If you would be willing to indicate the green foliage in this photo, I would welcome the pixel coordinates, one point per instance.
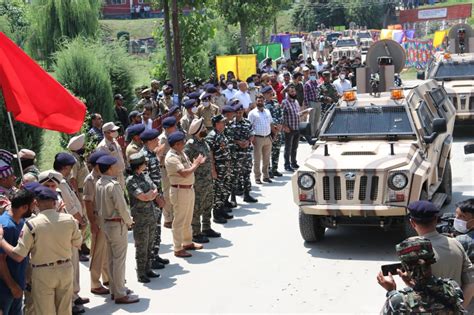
(80, 67)
(365, 13)
(308, 14)
(17, 24)
(55, 20)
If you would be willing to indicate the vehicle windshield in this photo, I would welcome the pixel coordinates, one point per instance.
(364, 35)
(346, 43)
(333, 36)
(449, 70)
(372, 121)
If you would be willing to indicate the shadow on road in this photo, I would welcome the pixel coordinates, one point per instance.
(356, 243)
(110, 308)
(217, 242)
(204, 257)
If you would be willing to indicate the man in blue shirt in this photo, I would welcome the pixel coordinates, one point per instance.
(12, 274)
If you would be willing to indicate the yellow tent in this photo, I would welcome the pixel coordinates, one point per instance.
(243, 66)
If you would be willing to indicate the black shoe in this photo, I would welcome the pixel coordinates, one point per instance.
(201, 239)
(249, 199)
(270, 174)
(258, 181)
(164, 261)
(156, 264)
(143, 279)
(295, 166)
(85, 250)
(278, 174)
(226, 216)
(78, 309)
(211, 233)
(289, 169)
(152, 274)
(239, 192)
(233, 200)
(267, 180)
(228, 204)
(219, 220)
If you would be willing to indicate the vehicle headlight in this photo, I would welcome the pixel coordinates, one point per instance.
(306, 181)
(397, 181)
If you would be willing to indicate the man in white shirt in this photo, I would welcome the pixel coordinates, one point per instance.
(320, 65)
(243, 95)
(261, 121)
(342, 84)
(230, 91)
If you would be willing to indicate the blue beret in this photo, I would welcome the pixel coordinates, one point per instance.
(266, 89)
(423, 210)
(65, 159)
(135, 130)
(238, 106)
(217, 119)
(149, 134)
(189, 103)
(106, 160)
(228, 109)
(95, 156)
(211, 89)
(31, 186)
(175, 137)
(207, 86)
(133, 114)
(206, 95)
(44, 193)
(169, 122)
(194, 95)
(173, 109)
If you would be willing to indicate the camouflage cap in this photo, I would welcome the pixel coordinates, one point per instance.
(416, 250)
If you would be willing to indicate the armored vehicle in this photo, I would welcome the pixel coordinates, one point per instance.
(374, 155)
(364, 40)
(345, 46)
(454, 69)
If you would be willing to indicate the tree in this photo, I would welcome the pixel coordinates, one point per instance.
(249, 14)
(55, 20)
(366, 13)
(17, 23)
(308, 14)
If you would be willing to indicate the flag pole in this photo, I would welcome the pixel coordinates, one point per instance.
(16, 144)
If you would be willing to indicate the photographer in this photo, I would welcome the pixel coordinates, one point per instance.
(427, 293)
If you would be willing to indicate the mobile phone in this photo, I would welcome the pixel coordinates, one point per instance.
(392, 268)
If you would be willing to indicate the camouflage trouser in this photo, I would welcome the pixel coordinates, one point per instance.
(244, 169)
(157, 243)
(234, 171)
(276, 145)
(222, 184)
(204, 198)
(144, 233)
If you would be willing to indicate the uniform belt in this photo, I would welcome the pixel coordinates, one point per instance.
(113, 220)
(262, 136)
(182, 186)
(56, 263)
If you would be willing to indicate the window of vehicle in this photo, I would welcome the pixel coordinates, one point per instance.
(333, 36)
(295, 51)
(426, 118)
(369, 121)
(364, 35)
(458, 70)
(346, 43)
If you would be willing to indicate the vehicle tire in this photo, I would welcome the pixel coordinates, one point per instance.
(447, 183)
(408, 230)
(311, 228)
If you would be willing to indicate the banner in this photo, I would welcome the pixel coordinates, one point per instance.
(273, 50)
(397, 35)
(283, 39)
(386, 34)
(243, 66)
(418, 53)
(439, 38)
(260, 51)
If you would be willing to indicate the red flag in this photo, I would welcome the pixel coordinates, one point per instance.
(33, 96)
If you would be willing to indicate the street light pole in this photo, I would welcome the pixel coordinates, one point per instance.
(177, 49)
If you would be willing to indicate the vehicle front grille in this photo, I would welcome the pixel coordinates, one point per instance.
(364, 189)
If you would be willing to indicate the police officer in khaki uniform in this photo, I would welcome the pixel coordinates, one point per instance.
(111, 146)
(50, 238)
(99, 265)
(27, 159)
(113, 211)
(181, 175)
(207, 110)
(189, 116)
(169, 126)
(135, 145)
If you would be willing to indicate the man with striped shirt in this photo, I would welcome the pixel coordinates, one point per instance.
(291, 122)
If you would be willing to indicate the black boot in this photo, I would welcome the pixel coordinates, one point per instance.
(270, 174)
(224, 214)
(218, 217)
(233, 201)
(228, 204)
(248, 198)
(239, 192)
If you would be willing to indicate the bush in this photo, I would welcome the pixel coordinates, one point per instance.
(80, 67)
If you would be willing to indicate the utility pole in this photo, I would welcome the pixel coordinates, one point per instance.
(169, 51)
(177, 49)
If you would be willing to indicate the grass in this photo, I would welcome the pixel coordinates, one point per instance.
(141, 69)
(139, 28)
(408, 74)
(50, 147)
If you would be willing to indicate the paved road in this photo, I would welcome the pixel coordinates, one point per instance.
(261, 265)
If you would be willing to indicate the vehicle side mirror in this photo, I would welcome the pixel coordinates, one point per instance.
(469, 148)
(439, 125)
(420, 75)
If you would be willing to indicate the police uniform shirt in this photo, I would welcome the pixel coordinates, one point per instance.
(207, 112)
(89, 186)
(79, 171)
(73, 205)
(185, 122)
(110, 200)
(176, 162)
(51, 238)
(132, 148)
(163, 138)
(451, 259)
(114, 149)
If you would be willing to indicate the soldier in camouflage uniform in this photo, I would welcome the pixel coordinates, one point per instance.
(204, 191)
(327, 93)
(142, 193)
(229, 113)
(277, 138)
(151, 150)
(243, 135)
(428, 294)
(219, 146)
(30, 171)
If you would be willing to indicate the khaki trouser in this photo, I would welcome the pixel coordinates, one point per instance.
(76, 280)
(28, 308)
(261, 152)
(116, 234)
(51, 289)
(121, 180)
(183, 206)
(99, 259)
(168, 208)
